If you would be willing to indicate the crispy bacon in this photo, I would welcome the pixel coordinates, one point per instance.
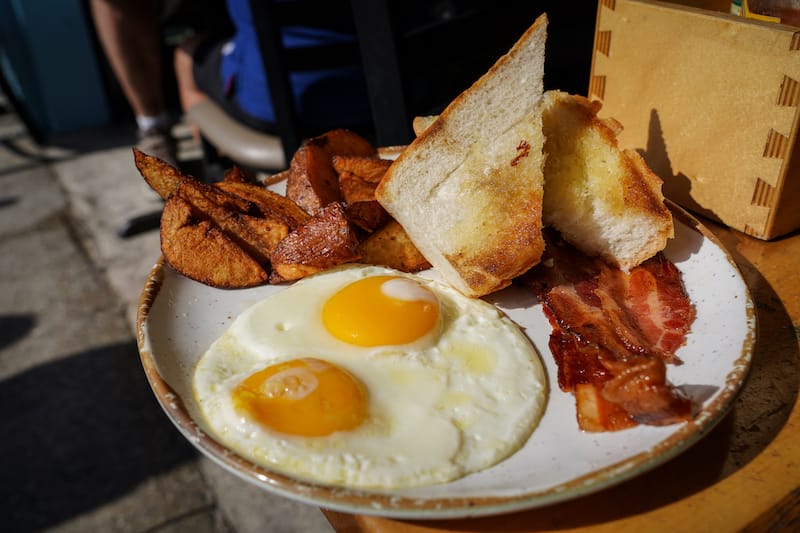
(641, 388)
(613, 334)
(657, 298)
(578, 362)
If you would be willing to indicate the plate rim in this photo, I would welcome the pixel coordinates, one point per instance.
(392, 505)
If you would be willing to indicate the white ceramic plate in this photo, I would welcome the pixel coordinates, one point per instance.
(179, 319)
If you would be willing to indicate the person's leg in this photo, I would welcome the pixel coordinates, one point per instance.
(188, 91)
(197, 63)
(130, 34)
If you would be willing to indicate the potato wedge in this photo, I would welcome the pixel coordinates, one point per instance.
(269, 203)
(370, 169)
(159, 175)
(313, 183)
(326, 240)
(268, 232)
(237, 175)
(366, 215)
(355, 188)
(390, 246)
(166, 180)
(219, 207)
(359, 196)
(199, 250)
(345, 142)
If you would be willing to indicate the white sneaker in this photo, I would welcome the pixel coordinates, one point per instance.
(158, 143)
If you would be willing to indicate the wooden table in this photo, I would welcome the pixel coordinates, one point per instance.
(743, 476)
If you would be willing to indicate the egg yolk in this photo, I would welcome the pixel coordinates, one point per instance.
(380, 311)
(305, 397)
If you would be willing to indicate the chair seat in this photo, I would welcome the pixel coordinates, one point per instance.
(236, 141)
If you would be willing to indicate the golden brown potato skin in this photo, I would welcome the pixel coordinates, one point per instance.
(354, 188)
(269, 203)
(324, 241)
(313, 183)
(369, 168)
(390, 246)
(358, 178)
(159, 175)
(362, 209)
(237, 175)
(166, 180)
(198, 249)
(237, 233)
(217, 207)
(207, 234)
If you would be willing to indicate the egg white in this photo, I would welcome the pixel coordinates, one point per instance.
(438, 409)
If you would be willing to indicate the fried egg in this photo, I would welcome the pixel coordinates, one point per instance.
(362, 376)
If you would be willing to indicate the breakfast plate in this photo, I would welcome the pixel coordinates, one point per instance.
(179, 319)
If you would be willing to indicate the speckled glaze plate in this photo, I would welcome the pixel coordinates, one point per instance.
(178, 319)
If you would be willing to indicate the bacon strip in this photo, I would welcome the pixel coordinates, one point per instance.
(613, 334)
(657, 298)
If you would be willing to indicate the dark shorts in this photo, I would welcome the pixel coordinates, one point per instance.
(206, 69)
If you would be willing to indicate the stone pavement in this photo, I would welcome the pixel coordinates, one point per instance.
(85, 446)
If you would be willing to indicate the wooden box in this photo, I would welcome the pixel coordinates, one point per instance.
(711, 101)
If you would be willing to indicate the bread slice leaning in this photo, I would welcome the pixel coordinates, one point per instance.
(602, 199)
(468, 190)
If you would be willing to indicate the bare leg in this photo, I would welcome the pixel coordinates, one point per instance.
(187, 88)
(130, 33)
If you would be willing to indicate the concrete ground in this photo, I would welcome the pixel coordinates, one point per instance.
(85, 446)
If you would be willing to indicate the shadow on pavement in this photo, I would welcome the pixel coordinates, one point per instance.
(14, 328)
(80, 432)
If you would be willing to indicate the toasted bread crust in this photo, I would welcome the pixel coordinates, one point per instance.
(643, 190)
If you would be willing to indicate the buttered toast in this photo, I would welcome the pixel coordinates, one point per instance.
(602, 199)
(468, 190)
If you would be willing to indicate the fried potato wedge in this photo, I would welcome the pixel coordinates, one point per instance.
(238, 233)
(219, 207)
(166, 180)
(159, 175)
(355, 188)
(269, 203)
(345, 142)
(367, 215)
(359, 197)
(268, 232)
(326, 240)
(199, 250)
(370, 169)
(313, 183)
(237, 175)
(391, 247)
(192, 188)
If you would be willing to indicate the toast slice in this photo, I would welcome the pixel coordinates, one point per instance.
(604, 200)
(468, 190)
